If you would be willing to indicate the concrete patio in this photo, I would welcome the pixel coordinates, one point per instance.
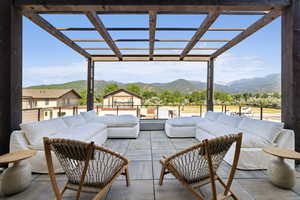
(144, 170)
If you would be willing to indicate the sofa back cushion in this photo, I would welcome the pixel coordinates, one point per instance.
(74, 121)
(34, 132)
(212, 115)
(265, 129)
(89, 116)
(232, 121)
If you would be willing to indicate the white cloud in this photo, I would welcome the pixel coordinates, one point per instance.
(228, 67)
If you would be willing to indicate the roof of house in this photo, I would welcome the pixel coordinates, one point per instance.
(47, 93)
(122, 90)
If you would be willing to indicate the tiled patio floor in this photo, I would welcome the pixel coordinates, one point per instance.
(144, 169)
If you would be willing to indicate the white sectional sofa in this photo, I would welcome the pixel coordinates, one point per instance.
(84, 127)
(182, 127)
(257, 134)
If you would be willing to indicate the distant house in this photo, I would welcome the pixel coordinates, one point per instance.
(46, 98)
(121, 98)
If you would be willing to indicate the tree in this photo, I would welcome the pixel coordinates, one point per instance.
(110, 88)
(167, 97)
(135, 88)
(148, 94)
(83, 95)
(197, 97)
(178, 97)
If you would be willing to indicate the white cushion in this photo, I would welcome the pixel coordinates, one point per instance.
(253, 141)
(35, 131)
(81, 133)
(184, 121)
(265, 129)
(74, 121)
(89, 116)
(117, 121)
(232, 121)
(212, 115)
(217, 129)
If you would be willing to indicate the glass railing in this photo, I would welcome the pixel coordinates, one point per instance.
(153, 111)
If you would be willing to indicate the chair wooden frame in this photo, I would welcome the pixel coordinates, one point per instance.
(168, 168)
(80, 187)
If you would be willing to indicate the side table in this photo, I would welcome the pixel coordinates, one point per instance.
(280, 173)
(18, 177)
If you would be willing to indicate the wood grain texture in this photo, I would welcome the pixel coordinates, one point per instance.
(152, 29)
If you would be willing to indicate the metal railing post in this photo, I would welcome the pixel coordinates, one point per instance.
(59, 112)
(261, 113)
(97, 108)
(117, 110)
(137, 111)
(157, 108)
(179, 111)
(225, 107)
(74, 110)
(240, 110)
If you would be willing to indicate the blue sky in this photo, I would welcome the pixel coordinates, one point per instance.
(47, 60)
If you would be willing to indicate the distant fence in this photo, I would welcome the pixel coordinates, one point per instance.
(153, 111)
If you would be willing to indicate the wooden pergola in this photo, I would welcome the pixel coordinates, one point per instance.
(11, 12)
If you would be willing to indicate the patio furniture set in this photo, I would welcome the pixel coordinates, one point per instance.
(73, 145)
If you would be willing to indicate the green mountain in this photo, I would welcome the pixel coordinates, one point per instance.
(270, 83)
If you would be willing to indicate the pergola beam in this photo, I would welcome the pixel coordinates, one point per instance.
(159, 48)
(158, 5)
(152, 27)
(147, 40)
(41, 22)
(99, 26)
(148, 29)
(208, 21)
(250, 30)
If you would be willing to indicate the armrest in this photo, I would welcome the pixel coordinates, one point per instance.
(17, 141)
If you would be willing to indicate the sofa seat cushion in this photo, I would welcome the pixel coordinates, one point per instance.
(184, 121)
(216, 128)
(74, 121)
(34, 132)
(253, 141)
(265, 129)
(117, 121)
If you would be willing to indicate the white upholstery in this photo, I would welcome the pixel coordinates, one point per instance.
(85, 127)
(74, 121)
(257, 134)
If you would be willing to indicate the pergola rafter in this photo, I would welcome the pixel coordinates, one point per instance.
(152, 28)
(99, 26)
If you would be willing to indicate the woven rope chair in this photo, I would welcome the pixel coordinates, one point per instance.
(89, 168)
(196, 166)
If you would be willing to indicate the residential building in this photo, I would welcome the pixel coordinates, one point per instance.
(121, 98)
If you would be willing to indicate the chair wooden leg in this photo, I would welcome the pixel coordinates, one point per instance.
(127, 177)
(224, 185)
(162, 174)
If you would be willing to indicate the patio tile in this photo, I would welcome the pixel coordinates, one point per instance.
(45, 177)
(171, 189)
(139, 170)
(157, 169)
(141, 190)
(297, 187)
(139, 155)
(262, 189)
(158, 154)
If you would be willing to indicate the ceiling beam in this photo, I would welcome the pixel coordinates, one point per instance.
(147, 29)
(158, 5)
(208, 21)
(147, 40)
(152, 27)
(99, 26)
(41, 22)
(250, 30)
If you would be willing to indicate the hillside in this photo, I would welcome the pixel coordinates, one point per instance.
(270, 83)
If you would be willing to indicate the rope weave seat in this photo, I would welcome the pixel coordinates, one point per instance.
(86, 166)
(197, 165)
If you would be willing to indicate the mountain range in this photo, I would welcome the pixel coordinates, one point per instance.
(267, 84)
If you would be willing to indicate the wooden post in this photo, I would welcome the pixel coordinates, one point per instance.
(90, 85)
(290, 72)
(261, 113)
(210, 85)
(10, 71)
(240, 110)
